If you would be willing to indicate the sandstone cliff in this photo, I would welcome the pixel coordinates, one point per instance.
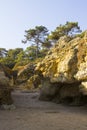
(64, 71)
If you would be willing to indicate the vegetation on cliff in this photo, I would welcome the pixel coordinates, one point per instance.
(56, 62)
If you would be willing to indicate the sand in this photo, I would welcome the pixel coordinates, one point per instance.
(32, 114)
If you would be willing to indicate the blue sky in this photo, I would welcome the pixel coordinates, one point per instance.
(16, 16)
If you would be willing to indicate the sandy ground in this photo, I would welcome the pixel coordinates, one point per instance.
(31, 114)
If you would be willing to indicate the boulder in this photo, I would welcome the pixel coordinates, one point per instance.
(27, 78)
(66, 66)
(33, 82)
(25, 72)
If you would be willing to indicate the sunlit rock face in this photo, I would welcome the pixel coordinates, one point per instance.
(25, 72)
(66, 64)
(5, 88)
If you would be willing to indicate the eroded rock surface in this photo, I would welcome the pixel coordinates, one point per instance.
(66, 66)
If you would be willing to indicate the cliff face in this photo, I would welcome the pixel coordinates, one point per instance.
(66, 66)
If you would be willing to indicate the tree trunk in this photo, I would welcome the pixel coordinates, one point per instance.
(37, 50)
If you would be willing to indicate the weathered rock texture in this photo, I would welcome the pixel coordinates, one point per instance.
(66, 68)
(25, 72)
(27, 78)
(5, 88)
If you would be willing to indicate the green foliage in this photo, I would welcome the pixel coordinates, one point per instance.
(40, 41)
(8, 62)
(47, 44)
(81, 35)
(31, 52)
(37, 37)
(3, 52)
(10, 57)
(69, 29)
(12, 53)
